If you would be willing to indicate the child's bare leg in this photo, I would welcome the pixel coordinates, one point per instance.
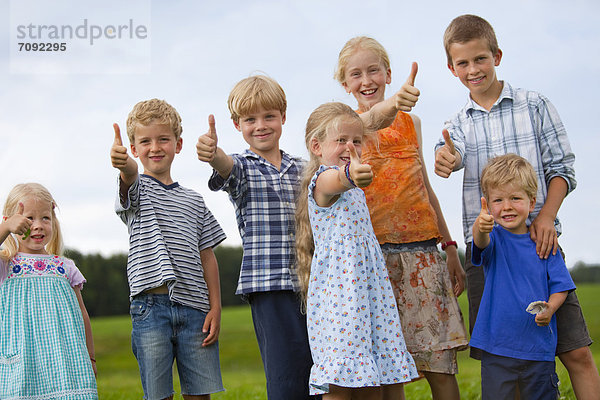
(367, 393)
(583, 373)
(443, 386)
(338, 393)
(393, 392)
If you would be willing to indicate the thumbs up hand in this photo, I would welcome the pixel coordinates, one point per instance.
(484, 221)
(445, 157)
(17, 223)
(118, 152)
(361, 174)
(408, 95)
(206, 148)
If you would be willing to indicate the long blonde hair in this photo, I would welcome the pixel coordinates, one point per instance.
(322, 120)
(17, 195)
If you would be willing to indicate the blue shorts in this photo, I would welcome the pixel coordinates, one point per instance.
(164, 331)
(537, 380)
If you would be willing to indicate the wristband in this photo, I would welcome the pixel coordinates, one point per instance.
(92, 359)
(449, 243)
(347, 171)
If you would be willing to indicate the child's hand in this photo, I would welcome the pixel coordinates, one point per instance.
(484, 221)
(17, 223)
(445, 157)
(543, 318)
(544, 235)
(206, 148)
(212, 325)
(408, 95)
(118, 153)
(361, 174)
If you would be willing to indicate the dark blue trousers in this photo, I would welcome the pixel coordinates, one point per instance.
(283, 342)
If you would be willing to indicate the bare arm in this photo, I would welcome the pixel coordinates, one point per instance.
(382, 114)
(483, 226)
(89, 340)
(209, 152)
(457, 274)
(121, 161)
(212, 322)
(542, 228)
(554, 302)
(16, 224)
(332, 182)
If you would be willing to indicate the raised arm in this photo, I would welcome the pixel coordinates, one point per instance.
(121, 161)
(16, 224)
(446, 157)
(382, 114)
(209, 152)
(333, 182)
(483, 226)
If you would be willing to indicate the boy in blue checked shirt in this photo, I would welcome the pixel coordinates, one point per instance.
(500, 119)
(262, 184)
(171, 267)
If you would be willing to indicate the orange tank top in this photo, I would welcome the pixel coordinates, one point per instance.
(397, 198)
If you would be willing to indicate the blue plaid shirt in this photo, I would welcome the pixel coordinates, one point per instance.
(265, 204)
(521, 122)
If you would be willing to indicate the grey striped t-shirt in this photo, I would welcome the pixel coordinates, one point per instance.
(168, 227)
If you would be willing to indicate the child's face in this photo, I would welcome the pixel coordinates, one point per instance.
(262, 130)
(510, 206)
(156, 146)
(333, 150)
(474, 64)
(366, 77)
(39, 212)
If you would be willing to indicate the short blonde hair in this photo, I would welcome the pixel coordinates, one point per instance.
(351, 47)
(469, 27)
(153, 111)
(253, 93)
(509, 169)
(17, 195)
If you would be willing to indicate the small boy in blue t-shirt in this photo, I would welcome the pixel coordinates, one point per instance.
(518, 349)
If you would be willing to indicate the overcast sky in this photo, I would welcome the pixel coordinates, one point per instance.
(57, 108)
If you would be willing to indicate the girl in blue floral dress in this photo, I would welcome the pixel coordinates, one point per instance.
(354, 330)
(46, 346)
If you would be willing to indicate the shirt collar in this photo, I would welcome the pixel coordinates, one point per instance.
(507, 93)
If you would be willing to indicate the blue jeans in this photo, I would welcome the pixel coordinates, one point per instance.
(164, 331)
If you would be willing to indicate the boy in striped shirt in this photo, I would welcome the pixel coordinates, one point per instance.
(171, 268)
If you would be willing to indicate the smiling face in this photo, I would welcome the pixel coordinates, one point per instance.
(156, 146)
(474, 64)
(366, 77)
(39, 212)
(333, 150)
(261, 130)
(510, 206)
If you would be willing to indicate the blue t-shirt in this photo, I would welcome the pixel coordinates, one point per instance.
(514, 277)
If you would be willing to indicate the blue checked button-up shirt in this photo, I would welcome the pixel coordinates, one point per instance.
(521, 122)
(265, 204)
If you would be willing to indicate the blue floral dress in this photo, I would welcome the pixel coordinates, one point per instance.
(353, 324)
(43, 354)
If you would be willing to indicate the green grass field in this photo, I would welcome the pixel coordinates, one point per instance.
(241, 367)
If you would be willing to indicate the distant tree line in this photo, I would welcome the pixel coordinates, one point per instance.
(107, 291)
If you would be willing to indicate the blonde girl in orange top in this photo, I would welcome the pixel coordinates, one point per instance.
(409, 223)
